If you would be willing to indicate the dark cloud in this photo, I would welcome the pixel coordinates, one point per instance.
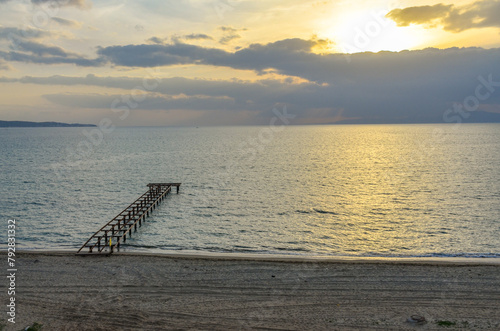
(480, 14)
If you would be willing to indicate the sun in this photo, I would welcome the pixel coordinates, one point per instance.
(371, 31)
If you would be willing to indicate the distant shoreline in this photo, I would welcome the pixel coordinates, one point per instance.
(28, 124)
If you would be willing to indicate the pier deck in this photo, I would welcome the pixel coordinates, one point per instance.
(108, 238)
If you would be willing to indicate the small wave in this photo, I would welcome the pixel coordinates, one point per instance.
(288, 249)
(316, 210)
(203, 215)
(321, 211)
(219, 234)
(377, 213)
(247, 248)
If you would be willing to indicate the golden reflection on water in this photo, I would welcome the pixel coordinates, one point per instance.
(375, 179)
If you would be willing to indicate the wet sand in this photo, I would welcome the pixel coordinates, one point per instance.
(149, 292)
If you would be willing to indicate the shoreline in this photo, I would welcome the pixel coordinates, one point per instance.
(455, 261)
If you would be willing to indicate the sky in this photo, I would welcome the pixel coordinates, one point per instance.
(239, 62)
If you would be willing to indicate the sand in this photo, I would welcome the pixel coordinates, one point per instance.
(145, 292)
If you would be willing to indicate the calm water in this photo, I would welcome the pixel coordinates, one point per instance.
(372, 190)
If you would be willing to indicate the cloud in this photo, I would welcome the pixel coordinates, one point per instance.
(65, 22)
(419, 15)
(197, 36)
(228, 29)
(226, 39)
(23, 48)
(32, 58)
(82, 4)
(230, 34)
(156, 40)
(11, 33)
(178, 91)
(35, 52)
(480, 14)
(41, 49)
(236, 89)
(255, 57)
(158, 55)
(178, 39)
(148, 101)
(4, 66)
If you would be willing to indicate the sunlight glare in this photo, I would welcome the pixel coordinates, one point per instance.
(371, 31)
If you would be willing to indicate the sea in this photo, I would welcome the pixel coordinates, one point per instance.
(420, 190)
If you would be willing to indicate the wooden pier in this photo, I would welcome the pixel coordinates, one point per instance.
(108, 239)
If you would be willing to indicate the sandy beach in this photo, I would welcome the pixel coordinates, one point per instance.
(127, 291)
